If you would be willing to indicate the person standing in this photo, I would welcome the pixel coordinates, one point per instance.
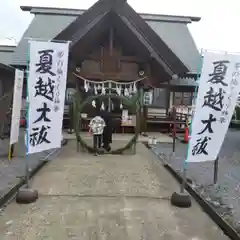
(107, 132)
(71, 118)
(97, 125)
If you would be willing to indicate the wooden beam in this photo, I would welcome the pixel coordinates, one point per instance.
(121, 58)
(177, 88)
(168, 93)
(105, 76)
(111, 42)
(152, 52)
(82, 32)
(101, 59)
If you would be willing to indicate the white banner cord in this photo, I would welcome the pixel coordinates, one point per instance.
(109, 81)
(218, 51)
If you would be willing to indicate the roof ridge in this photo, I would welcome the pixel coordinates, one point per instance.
(42, 8)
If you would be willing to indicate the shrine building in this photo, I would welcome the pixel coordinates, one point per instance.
(6, 70)
(7, 73)
(111, 41)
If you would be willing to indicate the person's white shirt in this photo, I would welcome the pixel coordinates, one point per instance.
(97, 125)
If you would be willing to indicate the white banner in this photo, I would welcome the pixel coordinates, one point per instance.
(16, 106)
(216, 100)
(46, 91)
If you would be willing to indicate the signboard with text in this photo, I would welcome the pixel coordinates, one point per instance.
(219, 86)
(46, 94)
(16, 107)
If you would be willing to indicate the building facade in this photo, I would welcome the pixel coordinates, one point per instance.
(6, 70)
(7, 73)
(110, 41)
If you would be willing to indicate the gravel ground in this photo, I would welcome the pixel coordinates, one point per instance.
(225, 195)
(12, 171)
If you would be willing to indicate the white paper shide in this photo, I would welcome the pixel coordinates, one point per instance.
(16, 108)
(46, 92)
(217, 95)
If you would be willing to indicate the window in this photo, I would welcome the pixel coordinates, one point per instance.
(187, 98)
(69, 95)
(177, 98)
(182, 98)
(160, 97)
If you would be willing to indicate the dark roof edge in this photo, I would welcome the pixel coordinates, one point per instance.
(192, 18)
(146, 16)
(7, 67)
(26, 8)
(7, 48)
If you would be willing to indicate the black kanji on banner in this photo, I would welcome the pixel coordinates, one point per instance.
(214, 99)
(45, 89)
(200, 147)
(219, 72)
(43, 110)
(39, 135)
(45, 62)
(44, 93)
(208, 124)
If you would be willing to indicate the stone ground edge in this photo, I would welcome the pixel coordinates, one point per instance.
(227, 229)
(207, 208)
(10, 194)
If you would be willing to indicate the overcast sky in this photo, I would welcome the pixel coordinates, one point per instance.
(218, 28)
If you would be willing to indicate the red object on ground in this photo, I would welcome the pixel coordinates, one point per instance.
(22, 122)
(186, 135)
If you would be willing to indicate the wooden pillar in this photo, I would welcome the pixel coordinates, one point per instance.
(1, 87)
(147, 83)
(111, 42)
(168, 96)
(144, 118)
(144, 112)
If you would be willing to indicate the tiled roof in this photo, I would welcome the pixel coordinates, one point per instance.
(6, 53)
(173, 31)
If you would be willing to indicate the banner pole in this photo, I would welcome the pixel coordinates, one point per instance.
(27, 195)
(215, 174)
(183, 199)
(27, 114)
(185, 166)
(174, 131)
(109, 98)
(10, 146)
(10, 151)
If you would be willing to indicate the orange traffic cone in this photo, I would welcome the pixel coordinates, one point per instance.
(186, 133)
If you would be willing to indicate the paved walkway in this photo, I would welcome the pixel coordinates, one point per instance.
(225, 195)
(108, 198)
(11, 172)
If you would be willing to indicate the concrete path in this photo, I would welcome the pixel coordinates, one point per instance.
(225, 195)
(84, 197)
(11, 172)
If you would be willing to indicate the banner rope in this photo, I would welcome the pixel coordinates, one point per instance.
(109, 81)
